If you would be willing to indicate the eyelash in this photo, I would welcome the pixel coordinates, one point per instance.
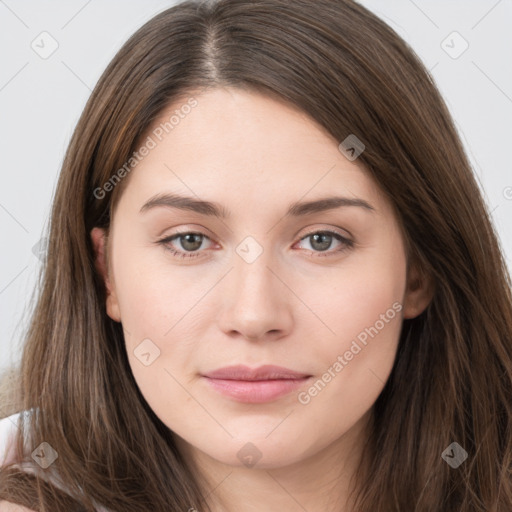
(347, 244)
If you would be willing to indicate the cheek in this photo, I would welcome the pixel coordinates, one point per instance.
(155, 296)
(162, 316)
(364, 311)
(358, 292)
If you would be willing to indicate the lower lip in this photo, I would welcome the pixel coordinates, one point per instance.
(256, 391)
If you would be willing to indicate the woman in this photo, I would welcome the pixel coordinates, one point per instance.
(271, 284)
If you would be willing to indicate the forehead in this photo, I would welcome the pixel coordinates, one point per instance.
(243, 148)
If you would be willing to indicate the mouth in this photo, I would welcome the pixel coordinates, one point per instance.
(259, 385)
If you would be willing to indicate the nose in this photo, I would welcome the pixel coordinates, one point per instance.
(256, 304)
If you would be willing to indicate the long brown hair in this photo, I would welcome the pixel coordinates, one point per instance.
(452, 378)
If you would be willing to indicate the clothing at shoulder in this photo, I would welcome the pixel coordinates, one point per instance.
(9, 428)
(8, 435)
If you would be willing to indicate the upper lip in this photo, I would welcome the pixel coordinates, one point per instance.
(266, 372)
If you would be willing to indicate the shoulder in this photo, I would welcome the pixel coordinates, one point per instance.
(6, 506)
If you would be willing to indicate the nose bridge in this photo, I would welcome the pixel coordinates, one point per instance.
(254, 283)
(258, 301)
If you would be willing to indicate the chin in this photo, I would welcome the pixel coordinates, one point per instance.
(259, 453)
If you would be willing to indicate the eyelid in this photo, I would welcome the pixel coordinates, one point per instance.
(330, 229)
(339, 231)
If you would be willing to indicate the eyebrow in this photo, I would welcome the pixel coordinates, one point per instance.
(216, 210)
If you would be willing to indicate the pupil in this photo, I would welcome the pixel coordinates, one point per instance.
(190, 239)
(323, 246)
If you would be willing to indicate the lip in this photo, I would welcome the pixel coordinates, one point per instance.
(265, 372)
(255, 385)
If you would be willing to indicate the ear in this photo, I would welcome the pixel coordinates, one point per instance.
(419, 292)
(99, 243)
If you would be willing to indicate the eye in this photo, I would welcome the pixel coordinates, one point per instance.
(191, 243)
(320, 241)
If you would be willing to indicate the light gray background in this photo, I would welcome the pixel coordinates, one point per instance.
(41, 100)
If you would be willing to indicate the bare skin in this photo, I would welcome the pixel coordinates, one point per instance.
(7, 506)
(300, 303)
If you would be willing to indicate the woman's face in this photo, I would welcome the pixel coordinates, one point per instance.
(267, 276)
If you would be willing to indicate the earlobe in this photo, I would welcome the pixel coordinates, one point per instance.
(99, 239)
(418, 294)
